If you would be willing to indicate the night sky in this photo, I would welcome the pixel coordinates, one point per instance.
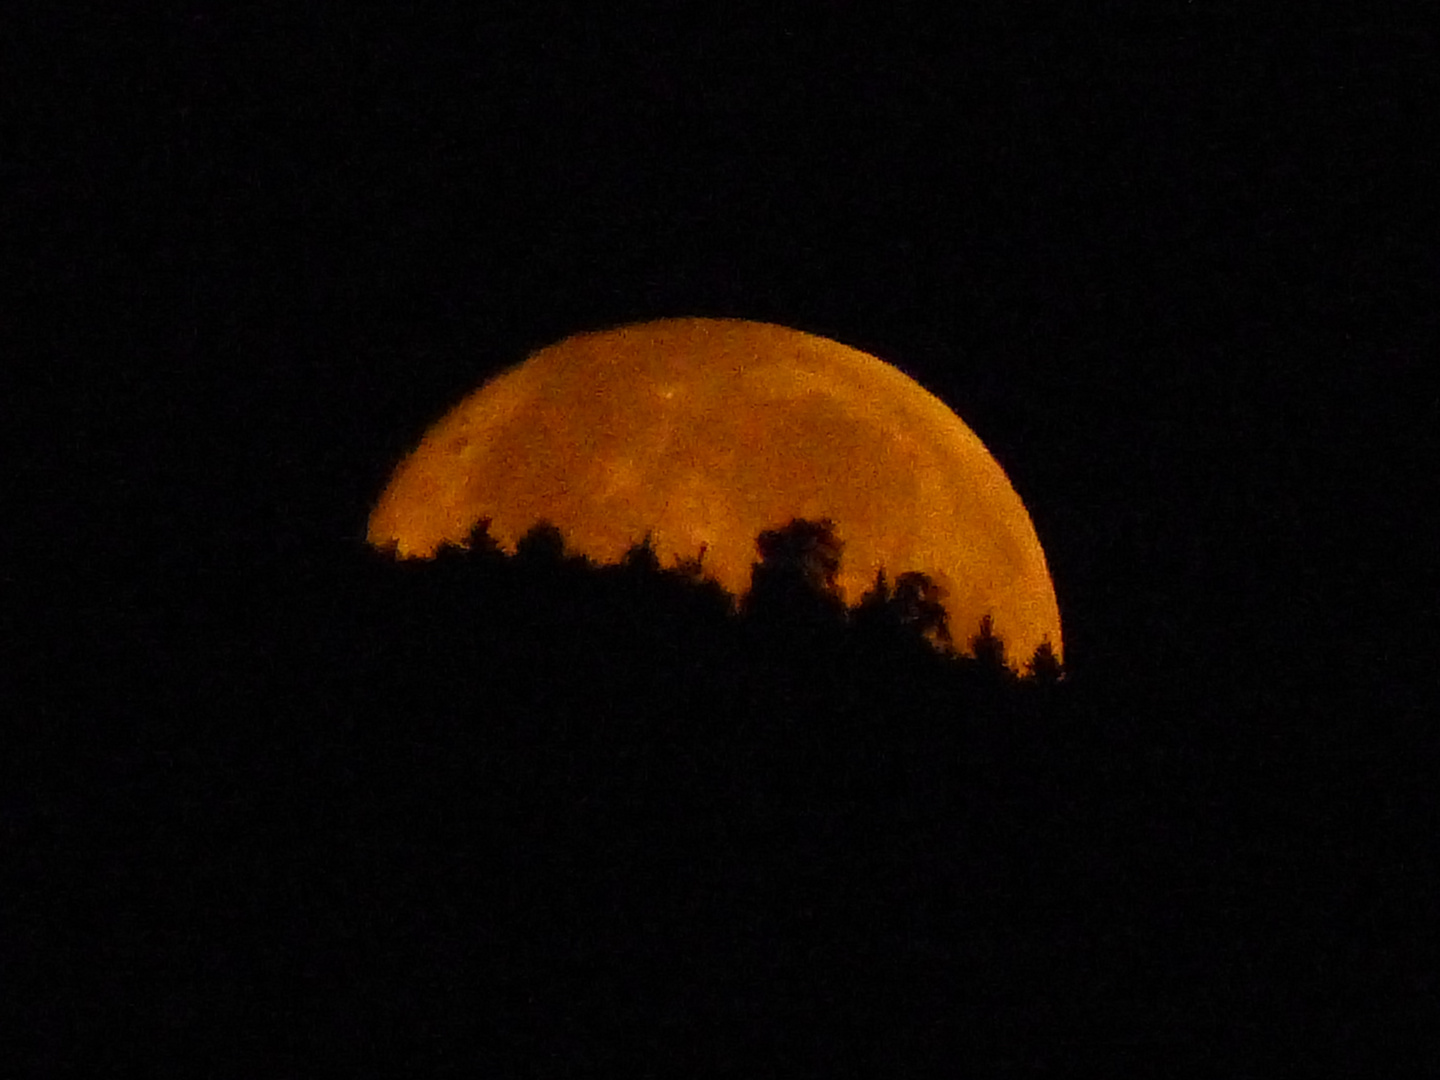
(1177, 271)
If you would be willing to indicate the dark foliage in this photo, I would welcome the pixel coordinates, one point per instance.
(793, 585)
(533, 809)
(912, 610)
(543, 545)
(987, 647)
(1045, 666)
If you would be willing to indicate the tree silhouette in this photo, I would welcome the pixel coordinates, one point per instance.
(692, 566)
(638, 763)
(795, 578)
(874, 606)
(988, 649)
(914, 608)
(641, 558)
(1045, 667)
(807, 548)
(542, 544)
(480, 544)
(544, 583)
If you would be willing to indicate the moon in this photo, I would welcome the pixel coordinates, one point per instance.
(704, 432)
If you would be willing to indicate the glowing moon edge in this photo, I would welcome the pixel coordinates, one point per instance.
(687, 430)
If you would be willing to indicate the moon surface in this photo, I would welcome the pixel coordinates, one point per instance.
(708, 431)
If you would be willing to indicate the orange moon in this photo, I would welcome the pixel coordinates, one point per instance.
(708, 431)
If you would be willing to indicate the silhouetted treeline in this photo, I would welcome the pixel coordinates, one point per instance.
(528, 814)
(662, 797)
(792, 616)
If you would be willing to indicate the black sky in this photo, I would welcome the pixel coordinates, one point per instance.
(1173, 269)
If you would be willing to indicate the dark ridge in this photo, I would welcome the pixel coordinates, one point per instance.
(525, 806)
